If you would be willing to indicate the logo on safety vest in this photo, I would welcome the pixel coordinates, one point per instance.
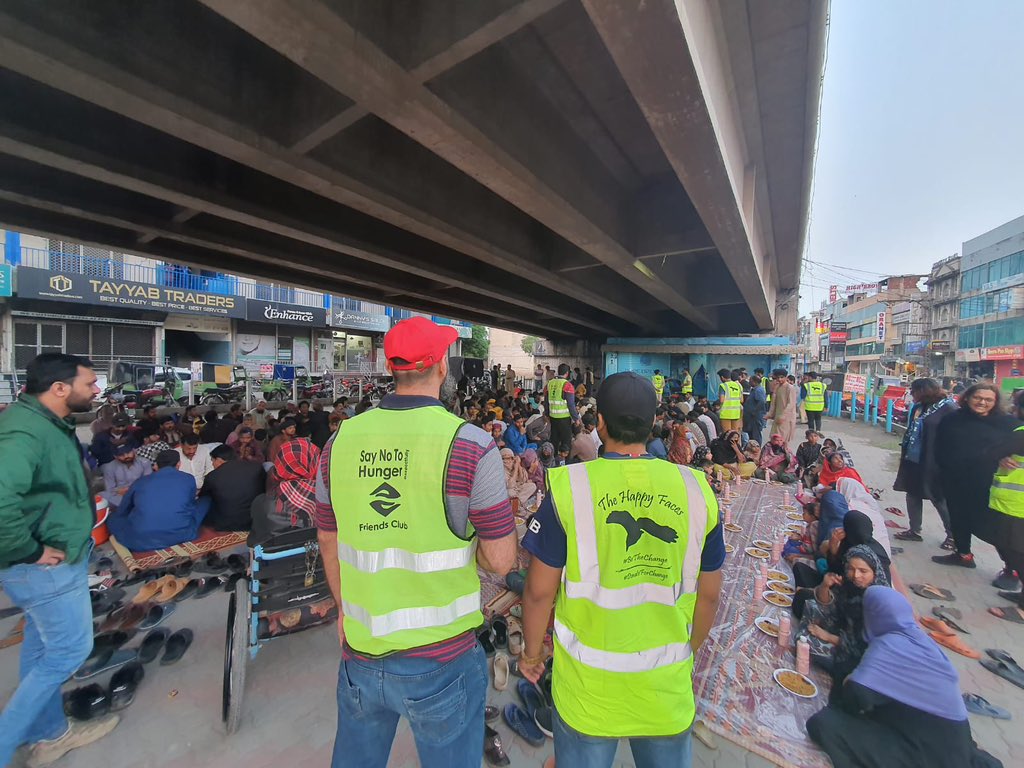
(386, 500)
(637, 527)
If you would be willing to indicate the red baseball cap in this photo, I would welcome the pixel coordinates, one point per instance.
(419, 342)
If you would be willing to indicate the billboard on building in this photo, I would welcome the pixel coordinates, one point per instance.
(880, 327)
(357, 321)
(856, 383)
(281, 313)
(74, 288)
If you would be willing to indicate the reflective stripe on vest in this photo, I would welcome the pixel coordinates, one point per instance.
(558, 408)
(732, 406)
(408, 580)
(1007, 492)
(635, 661)
(635, 530)
(413, 619)
(815, 400)
(422, 562)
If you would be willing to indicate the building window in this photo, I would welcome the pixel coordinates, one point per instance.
(64, 256)
(971, 336)
(32, 338)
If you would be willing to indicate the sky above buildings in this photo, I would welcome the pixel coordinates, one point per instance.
(921, 142)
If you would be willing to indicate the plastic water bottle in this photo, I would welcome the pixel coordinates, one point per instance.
(785, 497)
(785, 626)
(776, 550)
(803, 656)
(728, 515)
(759, 584)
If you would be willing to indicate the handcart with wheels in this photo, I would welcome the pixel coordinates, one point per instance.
(286, 592)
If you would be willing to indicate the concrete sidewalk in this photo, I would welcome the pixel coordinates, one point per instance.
(290, 707)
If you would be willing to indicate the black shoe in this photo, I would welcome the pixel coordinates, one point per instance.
(948, 544)
(1013, 597)
(1006, 580)
(908, 536)
(955, 558)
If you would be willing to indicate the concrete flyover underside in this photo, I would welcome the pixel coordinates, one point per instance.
(567, 168)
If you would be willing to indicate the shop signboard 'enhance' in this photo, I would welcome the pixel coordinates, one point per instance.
(280, 313)
(83, 289)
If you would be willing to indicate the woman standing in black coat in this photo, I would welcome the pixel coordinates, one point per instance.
(918, 472)
(966, 461)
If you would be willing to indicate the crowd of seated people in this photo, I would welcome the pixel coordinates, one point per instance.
(165, 475)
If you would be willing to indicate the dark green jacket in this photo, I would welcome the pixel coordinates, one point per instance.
(44, 495)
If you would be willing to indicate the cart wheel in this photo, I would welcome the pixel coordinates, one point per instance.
(236, 656)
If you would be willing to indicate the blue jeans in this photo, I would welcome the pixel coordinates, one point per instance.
(443, 703)
(58, 638)
(576, 750)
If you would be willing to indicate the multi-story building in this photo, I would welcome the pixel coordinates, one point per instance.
(68, 297)
(875, 345)
(944, 313)
(991, 334)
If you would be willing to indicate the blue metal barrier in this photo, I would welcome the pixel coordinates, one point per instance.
(888, 416)
(853, 406)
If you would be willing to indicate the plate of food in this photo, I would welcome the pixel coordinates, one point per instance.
(787, 507)
(758, 480)
(767, 625)
(761, 544)
(783, 601)
(794, 516)
(795, 683)
(795, 527)
(760, 554)
(729, 548)
(781, 587)
(733, 527)
(776, 575)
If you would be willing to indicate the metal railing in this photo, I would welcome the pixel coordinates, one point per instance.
(167, 275)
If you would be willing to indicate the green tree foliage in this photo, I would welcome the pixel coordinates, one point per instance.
(528, 343)
(479, 345)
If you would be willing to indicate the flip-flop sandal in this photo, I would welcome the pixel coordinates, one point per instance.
(156, 615)
(493, 750)
(932, 592)
(894, 524)
(170, 590)
(133, 616)
(15, 636)
(104, 600)
(955, 644)
(191, 587)
(977, 705)
(150, 590)
(209, 585)
(484, 638)
(152, 644)
(491, 714)
(1005, 671)
(1013, 597)
(238, 563)
(123, 685)
(936, 625)
(908, 535)
(212, 564)
(544, 719)
(6, 613)
(894, 511)
(1012, 615)
(234, 578)
(114, 619)
(177, 644)
(87, 703)
(1000, 655)
(499, 626)
(112, 640)
(522, 725)
(952, 617)
(515, 637)
(106, 662)
(104, 564)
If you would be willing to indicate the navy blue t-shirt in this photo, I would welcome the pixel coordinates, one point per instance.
(545, 538)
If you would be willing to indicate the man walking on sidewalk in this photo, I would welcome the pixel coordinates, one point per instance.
(46, 519)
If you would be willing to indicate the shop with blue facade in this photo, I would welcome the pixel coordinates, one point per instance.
(703, 357)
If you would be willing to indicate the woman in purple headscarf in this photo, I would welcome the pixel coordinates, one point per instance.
(901, 707)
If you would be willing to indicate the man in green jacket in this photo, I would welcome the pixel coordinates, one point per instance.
(46, 518)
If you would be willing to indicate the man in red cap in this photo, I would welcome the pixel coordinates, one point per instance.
(410, 498)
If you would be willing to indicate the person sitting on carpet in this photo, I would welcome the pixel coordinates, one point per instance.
(776, 460)
(195, 459)
(833, 620)
(121, 432)
(834, 469)
(807, 455)
(119, 474)
(901, 707)
(159, 510)
(292, 482)
(248, 448)
(232, 486)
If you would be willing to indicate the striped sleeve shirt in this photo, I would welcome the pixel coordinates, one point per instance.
(475, 493)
